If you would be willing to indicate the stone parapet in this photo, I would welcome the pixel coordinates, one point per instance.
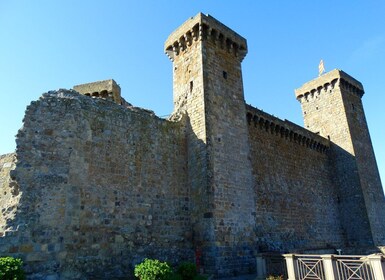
(327, 82)
(107, 89)
(286, 129)
(205, 27)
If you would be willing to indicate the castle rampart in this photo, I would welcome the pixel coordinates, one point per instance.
(108, 189)
(288, 160)
(96, 185)
(286, 129)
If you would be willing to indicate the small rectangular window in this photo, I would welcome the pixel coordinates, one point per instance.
(225, 75)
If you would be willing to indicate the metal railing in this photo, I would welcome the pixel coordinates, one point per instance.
(335, 267)
(309, 267)
(269, 264)
(353, 267)
(276, 265)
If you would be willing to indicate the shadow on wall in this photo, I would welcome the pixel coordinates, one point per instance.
(307, 191)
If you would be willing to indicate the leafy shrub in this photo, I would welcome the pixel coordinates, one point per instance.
(11, 269)
(153, 270)
(272, 277)
(187, 270)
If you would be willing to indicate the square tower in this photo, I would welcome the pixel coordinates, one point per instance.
(208, 90)
(107, 89)
(332, 106)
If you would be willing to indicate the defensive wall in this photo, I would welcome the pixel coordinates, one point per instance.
(100, 188)
(292, 174)
(96, 185)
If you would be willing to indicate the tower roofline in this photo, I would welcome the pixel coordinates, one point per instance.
(101, 89)
(327, 79)
(201, 27)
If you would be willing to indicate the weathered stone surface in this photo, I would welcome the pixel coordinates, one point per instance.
(332, 107)
(97, 185)
(296, 205)
(102, 185)
(9, 192)
(107, 89)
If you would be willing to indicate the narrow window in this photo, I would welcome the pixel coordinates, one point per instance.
(225, 75)
(191, 86)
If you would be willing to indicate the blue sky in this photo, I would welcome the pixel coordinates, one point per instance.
(48, 45)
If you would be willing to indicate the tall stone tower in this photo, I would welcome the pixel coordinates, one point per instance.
(332, 107)
(208, 89)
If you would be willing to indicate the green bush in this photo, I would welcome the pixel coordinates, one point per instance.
(153, 270)
(11, 269)
(187, 270)
(272, 277)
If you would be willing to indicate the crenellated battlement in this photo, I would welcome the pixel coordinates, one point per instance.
(205, 27)
(326, 83)
(231, 190)
(107, 89)
(286, 130)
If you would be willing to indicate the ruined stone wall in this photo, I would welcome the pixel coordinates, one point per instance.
(296, 200)
(102, 187)
(9, 191)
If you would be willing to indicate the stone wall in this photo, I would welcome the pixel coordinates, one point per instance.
(96, 185)
(9, 192)
(296, 201)
(102, 187)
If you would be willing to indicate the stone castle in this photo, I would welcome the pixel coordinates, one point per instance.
(96, 184)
